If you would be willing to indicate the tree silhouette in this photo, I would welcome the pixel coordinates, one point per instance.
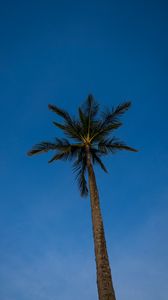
(88, 138)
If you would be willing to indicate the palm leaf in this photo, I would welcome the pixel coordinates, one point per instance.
(110, 121)
(113, 145)
(60, 112)
(100, 131)
(82, 183)
(65, 150)
(74, 131)
(83, 121)
(79, 167)
(90, 107)
(112, 117)
(59, 125)
(96, 159)
(71, 127)
(41, 148)
(87, 113)
(58, 156)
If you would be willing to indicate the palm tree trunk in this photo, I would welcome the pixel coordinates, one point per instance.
(104, 279)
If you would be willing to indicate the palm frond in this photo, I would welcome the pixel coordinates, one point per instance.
(87, 113)
(82, 183)
(59, 156)
(100, 131)
(112, 117)
(122, 108)
(96, 159)
(74, 131)
(83, 121)
(60, 112)
(79, 167)
(91, 106)
(65, 150)
(82, 116)
(71, 127)
(110, 121)
(113, 145)
(60, 126)
(41, 148)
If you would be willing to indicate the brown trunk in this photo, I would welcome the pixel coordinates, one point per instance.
(104, 279)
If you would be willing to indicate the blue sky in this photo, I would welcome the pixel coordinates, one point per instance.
(58, 52)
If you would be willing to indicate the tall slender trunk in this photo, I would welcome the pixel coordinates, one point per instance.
(104, 279)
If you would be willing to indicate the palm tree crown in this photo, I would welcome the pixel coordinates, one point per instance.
(91, 132)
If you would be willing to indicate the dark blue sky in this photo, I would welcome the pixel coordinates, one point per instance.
(58, 52)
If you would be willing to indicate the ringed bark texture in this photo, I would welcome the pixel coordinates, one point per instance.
(104, 278)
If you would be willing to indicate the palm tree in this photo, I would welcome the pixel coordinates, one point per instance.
(88, 140)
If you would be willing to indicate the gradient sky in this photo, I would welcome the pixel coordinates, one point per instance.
(58, 52)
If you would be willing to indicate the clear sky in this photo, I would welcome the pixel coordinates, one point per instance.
(57, 52)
